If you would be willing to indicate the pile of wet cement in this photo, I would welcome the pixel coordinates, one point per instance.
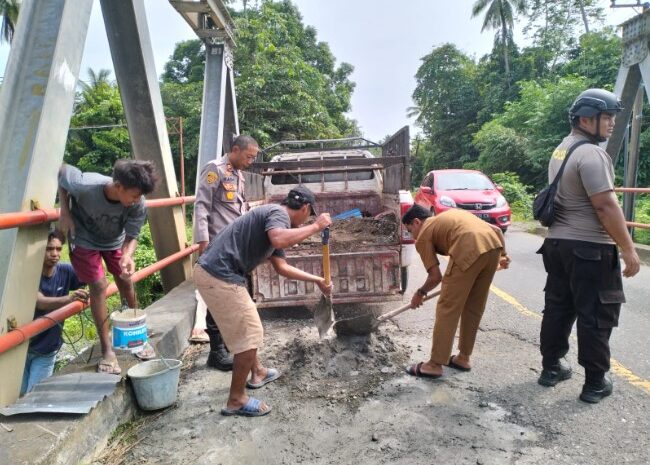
(342, 368)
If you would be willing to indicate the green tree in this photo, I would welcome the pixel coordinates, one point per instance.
(597, 57)
(499, 15)
(554, 25)
(98, 134)
(447, 102)
(9, 10)
(288, 84)
(539, 118)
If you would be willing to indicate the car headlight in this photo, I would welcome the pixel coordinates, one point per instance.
(447, 201)
(501, 201)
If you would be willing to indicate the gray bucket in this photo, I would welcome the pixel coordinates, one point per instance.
(155, 385)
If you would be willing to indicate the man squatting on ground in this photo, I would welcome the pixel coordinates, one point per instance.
(220, 276)
(220, 199)
(475, 249)
(580, 254)
(103, 217)
(57, 280)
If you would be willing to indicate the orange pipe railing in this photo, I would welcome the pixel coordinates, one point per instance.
(16, 219)
(636, 190)
(24, 333)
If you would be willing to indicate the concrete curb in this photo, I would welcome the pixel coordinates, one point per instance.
(642, 250)
(76, 439)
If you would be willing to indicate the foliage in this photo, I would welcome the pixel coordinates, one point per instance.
(540, 118)
(447, 102)
(517, 194)
(97, 104)
(499, 15)
(501, 149)
(288, 84)
(9, 10)
(642, 215)
(553, 25)
(150, 288)
(597, 57)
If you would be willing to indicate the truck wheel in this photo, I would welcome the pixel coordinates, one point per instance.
(503, 230)
(405, 278)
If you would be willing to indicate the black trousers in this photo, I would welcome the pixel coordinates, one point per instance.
(584, 284)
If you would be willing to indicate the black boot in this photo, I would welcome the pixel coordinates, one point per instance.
(594, 391)
(219, 356)
(555, 373)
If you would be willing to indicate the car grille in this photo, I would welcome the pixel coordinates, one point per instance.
(476, 205)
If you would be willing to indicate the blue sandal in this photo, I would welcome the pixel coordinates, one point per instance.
(251, 409)
(271, 375)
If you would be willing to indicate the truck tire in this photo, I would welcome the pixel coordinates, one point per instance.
(405, 278)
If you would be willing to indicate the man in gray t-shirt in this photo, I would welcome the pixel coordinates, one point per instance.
(580, 255)
(220, 277)
(103, 217)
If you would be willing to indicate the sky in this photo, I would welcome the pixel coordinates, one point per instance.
(383, 42)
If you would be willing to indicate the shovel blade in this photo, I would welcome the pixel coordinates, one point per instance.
(324, 316)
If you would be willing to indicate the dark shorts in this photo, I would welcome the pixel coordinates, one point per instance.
(87, 263)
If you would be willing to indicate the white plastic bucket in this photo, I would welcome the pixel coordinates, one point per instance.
(129, 330)
(155, 385)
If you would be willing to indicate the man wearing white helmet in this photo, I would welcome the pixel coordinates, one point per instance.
(580, 252)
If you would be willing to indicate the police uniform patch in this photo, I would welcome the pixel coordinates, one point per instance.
(230, 195)
(229, 186)
(212, 177)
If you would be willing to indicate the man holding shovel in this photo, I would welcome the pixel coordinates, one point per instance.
(475, 249)
(220, 199)
(220, 277)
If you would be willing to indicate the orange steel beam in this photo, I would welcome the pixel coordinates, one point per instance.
(24, 333)
(13, 220)
(636, 190)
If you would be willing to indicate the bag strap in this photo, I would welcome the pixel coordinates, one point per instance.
(566, 158)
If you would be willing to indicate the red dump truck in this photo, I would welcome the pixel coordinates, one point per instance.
(370, 251)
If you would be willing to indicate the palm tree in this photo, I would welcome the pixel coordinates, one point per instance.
(499, 16)
(9, 10)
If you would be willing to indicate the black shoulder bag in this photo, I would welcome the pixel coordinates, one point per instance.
(544, 203)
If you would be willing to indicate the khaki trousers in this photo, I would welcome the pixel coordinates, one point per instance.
(463, 297)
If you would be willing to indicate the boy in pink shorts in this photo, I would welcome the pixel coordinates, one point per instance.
(103, 217)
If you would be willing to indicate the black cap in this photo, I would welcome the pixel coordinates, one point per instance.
(301, 195)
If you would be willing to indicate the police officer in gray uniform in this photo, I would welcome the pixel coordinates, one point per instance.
(580, 254)
(220, 199)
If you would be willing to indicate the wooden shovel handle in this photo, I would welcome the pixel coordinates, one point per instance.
(325, 236)
(397, 311)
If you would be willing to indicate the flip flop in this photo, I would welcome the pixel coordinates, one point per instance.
(111, 367)
(251, 409)
(415, 370)
(455, 366)
(271, 375)
(199, 337)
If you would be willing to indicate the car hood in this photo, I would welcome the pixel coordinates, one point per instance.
(470, 196)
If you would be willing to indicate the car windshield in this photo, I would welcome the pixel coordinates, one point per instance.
(463, 181)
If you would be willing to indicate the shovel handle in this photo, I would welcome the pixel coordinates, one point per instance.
(325, 235)
(397, 311)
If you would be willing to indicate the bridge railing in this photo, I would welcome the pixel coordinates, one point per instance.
(23, 333)
(634, 190)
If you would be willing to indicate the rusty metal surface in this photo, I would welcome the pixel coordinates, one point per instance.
(357, 277)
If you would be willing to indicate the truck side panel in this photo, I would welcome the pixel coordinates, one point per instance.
(364, 276)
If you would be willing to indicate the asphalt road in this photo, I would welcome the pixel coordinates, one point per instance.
(349, 401)
(524, 282)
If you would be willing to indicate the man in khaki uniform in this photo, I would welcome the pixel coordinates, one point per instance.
(220, 200)
(475, 249)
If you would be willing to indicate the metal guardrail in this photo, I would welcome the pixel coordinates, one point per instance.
(634, 190)
(43, 215)
(23, 333)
